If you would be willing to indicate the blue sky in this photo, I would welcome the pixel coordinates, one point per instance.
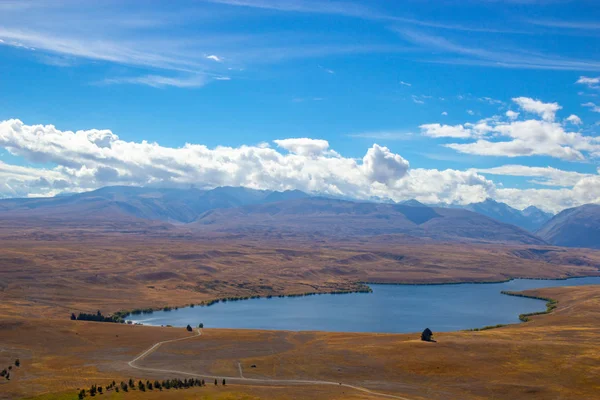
(243, 74)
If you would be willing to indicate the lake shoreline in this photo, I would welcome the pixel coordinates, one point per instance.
(330, 315)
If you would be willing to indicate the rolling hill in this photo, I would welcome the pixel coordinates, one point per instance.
(574, 227)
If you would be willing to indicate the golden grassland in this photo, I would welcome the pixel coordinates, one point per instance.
(44, 279)
(116, 272)
(552, 356)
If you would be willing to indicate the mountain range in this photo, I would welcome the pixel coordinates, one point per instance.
(243, 210)
(318, 216)
(249, 211)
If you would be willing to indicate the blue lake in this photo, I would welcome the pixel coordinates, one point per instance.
(390, 308)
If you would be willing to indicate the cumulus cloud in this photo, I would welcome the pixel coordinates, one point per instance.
(574, 119)
(444, 113)
(519, 138)
(381, 165)
(89, 159)
(546, 110)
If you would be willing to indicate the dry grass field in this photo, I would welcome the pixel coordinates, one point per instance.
(552, 356)
(45, 278)
(54, 277)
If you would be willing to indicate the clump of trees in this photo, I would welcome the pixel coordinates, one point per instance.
(189, 328)
(97, 317)
(142, 386)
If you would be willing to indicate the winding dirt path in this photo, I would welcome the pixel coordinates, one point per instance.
(243, 380)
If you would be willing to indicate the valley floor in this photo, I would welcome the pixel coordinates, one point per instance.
(44, 277)
(553, 356)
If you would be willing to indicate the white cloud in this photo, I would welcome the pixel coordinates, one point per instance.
(159, 81)
(491, 101)
(405, 83)
(383, 166)
(417, 100)
(546, 110)
(531, 138)
(214, 58)
(593, 107)
(437, 130)
(93, 158)
(589, 82)
(574, 119)
(549, 176)
(519, 138)
(470, 112)
(304, 146)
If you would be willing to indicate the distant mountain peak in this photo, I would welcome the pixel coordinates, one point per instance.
(530, 220)
(412, 203)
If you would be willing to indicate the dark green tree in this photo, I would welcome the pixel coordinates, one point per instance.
(189, 328)
(223, 381)
(427, 335)
(216, 383)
